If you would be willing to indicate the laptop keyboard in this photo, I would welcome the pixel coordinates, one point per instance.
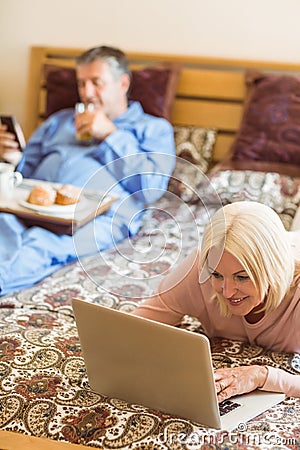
(226, 406)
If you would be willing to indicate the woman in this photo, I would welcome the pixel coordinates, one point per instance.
(243, 285)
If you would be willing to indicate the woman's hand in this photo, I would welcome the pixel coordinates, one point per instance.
(239, 380)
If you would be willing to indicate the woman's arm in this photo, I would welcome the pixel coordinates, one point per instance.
(178, 294)
(278, 380)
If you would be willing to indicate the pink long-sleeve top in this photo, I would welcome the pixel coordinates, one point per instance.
(181, 293)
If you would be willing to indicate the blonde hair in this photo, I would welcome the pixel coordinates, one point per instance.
(254, 234)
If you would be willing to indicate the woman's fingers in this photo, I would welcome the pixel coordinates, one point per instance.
(226, 387)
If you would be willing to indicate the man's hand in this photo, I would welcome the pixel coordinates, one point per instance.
(95, 123)
(239, 380)
(9, 147)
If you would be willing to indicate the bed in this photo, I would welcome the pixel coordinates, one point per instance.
(214, 105)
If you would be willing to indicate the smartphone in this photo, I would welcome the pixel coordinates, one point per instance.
(14, 127)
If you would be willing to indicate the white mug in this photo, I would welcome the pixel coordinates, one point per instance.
(9, 179)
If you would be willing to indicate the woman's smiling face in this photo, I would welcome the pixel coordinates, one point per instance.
(232, 283)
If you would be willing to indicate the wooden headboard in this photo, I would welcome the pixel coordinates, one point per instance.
(210, 92)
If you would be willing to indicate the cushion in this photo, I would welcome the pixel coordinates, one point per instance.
(154, 87)
(270, 127)
(280, 192)
(194, 149)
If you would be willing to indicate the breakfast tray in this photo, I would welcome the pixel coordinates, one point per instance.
(66, 221)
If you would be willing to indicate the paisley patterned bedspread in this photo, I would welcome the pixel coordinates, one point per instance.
(44, 389)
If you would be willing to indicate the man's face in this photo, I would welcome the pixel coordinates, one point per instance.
(98, 85)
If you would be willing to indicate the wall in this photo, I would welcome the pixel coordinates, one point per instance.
(256, 29)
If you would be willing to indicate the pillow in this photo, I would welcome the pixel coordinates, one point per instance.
(194, 149)
(154, 87)
(270, 127)
(61, 88)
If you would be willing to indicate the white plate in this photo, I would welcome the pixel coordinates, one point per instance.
(51, 209)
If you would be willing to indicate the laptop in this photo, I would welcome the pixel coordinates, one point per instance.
(158, 366)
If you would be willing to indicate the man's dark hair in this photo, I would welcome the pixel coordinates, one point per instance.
(114, 57)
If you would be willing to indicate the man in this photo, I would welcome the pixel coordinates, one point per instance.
(131, 155)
